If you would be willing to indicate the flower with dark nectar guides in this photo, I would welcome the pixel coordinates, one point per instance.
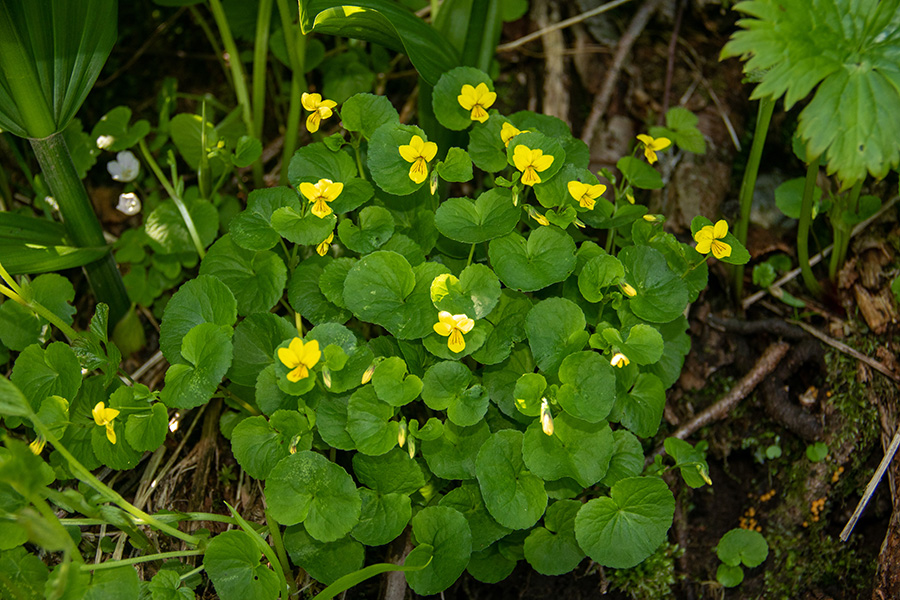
(619, 360)
(586, 194)
(321, 194)
(653, 145)
(321, 109)
(477, 100)
(453, 327)
(508, 132)
(322, 248)
(419, 153)
(104, 417)
(708, 240)
(530, 162)
(301, 357)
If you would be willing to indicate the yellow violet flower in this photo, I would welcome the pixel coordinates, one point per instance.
(321, 109)
(477, 100)
(454, 326)
(322, 248)
(530, 162)
(419, 153)
(321, 194)
(104, 417)
(301, 357)
(619, 360)
(586, 194)
(653, 145)
(708, 240)
(508, 132)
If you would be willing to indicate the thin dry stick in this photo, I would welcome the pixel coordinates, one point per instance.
(151, 362)
(873, 485)
(601, 102)
(765, 365)
(846, 349)
(751, 299)
(561, 25)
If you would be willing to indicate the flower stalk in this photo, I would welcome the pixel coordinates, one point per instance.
(812, 284)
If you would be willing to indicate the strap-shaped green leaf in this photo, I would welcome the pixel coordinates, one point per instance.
(385, 23)
(32, 259)
(51, 52)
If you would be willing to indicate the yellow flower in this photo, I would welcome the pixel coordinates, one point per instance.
(419, 153)
(586, 194)
(628, 290)
(652, 146)
(454, 326)
(321, 194)
(651, 218)
(537, 216)
(546, 417)
(619, 360)
(530, 162)
(708, 240)
(508, 132)
(37, 446)
(104, 417)
(321, 109)
(477, 100)
(300, 357)
(322, 248)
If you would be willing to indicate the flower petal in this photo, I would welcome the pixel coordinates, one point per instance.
(720, 229)
(301, 372)
(110, 433)
(543, 162)
(720, 249)
(409, 153)
(429, 151)
(308, 190)
(288, 358)
(576, 189)
(312, 122)
(310, 101)
(456, 342)
(530, 177)
(443, 329)
(311, 354)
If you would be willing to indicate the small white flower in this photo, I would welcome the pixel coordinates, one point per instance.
(129, 204)
(105, 141)
(125, 168)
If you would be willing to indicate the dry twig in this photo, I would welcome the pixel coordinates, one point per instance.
(873, 485)
(561, 25)
(841, 346)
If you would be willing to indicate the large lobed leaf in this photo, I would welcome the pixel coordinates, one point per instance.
(851, 51)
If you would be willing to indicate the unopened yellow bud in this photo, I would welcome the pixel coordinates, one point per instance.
(619, 360)
(326, 377)
(628, 290)
(401, 433)
(411, 447)
(37, 446)
(367, 376)
(704, 474)
(433, 183)
(546, 417)
(294, 441)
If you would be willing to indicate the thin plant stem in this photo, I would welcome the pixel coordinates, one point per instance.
(203, 170)
(112, 564)
(296, 50)
(278, 542)
(763, 118)
(176, 198)
(81, 222)
(842, 232)
(234, 61)
(83, 474)
(260, 56)
(211, 38)
(471, 254)
(806, 217)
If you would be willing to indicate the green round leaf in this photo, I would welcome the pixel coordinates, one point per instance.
(490, 216)
(490, 565)
(54, 371)
(326, 562)
(306, 297)
(627, 459)
(204, 299)
(622, 530)
(306, 487)
(331, 422)
(331, 281)
(514, 496)
(742, 546)
(207, 351)
(306, 230)
(393, 385)
(256, 278)
(467, 500)
(529, 392)
(383, 517)
(444, 99)
(232, 562)
(640, 409)
(486, 147)
(367, 112)
(639, 174)
(315, 161)
(456, 167)
(555, 329)
(453, 454)
(255, 340)
(146, 430)
(599, 272)
(553, 550)
(167, 232)
(369, 424)
(730, 575)
(661, 294)
(394, 472)
(376, 226)
(448, 533)
(644, 344)
(258, 444)
(547, 257)
(577, 449)
(252, 228)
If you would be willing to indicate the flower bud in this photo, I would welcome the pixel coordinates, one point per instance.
(326, 377)
(411, 446)
(546, 417)
(402, 432)
(628, 290)
(619, 360)
(367, 376)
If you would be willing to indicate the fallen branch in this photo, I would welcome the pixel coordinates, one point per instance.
(763, 367)
(873, 485)
(561, 25)
(841, 346)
